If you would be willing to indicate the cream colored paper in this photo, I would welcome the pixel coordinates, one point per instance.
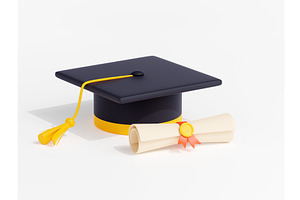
(147, 137)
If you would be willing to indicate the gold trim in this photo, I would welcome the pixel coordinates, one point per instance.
(122, 129)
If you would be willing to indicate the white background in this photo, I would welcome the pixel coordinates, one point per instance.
(239, 42)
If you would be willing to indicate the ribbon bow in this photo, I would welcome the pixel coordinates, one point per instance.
(186, 134)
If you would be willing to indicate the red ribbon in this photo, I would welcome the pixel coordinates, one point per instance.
(184, 140)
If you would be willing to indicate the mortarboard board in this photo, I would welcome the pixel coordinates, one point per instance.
(140, 90)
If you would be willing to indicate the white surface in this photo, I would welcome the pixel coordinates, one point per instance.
(9, 100)
(291, 99)
(240, 42)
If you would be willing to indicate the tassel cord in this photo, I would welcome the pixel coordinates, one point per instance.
(55, 134)
(94, 81)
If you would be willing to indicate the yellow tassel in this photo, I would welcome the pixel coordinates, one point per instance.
(56, 133)
(46, 136)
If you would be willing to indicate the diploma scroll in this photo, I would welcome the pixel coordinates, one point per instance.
(147, 137)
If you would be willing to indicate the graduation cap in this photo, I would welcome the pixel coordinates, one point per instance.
(140, 90)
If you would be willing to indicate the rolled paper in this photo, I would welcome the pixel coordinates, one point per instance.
(147, 137)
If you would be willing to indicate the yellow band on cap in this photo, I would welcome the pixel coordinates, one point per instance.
(122, 129)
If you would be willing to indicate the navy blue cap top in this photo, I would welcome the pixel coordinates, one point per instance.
(152, 77)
